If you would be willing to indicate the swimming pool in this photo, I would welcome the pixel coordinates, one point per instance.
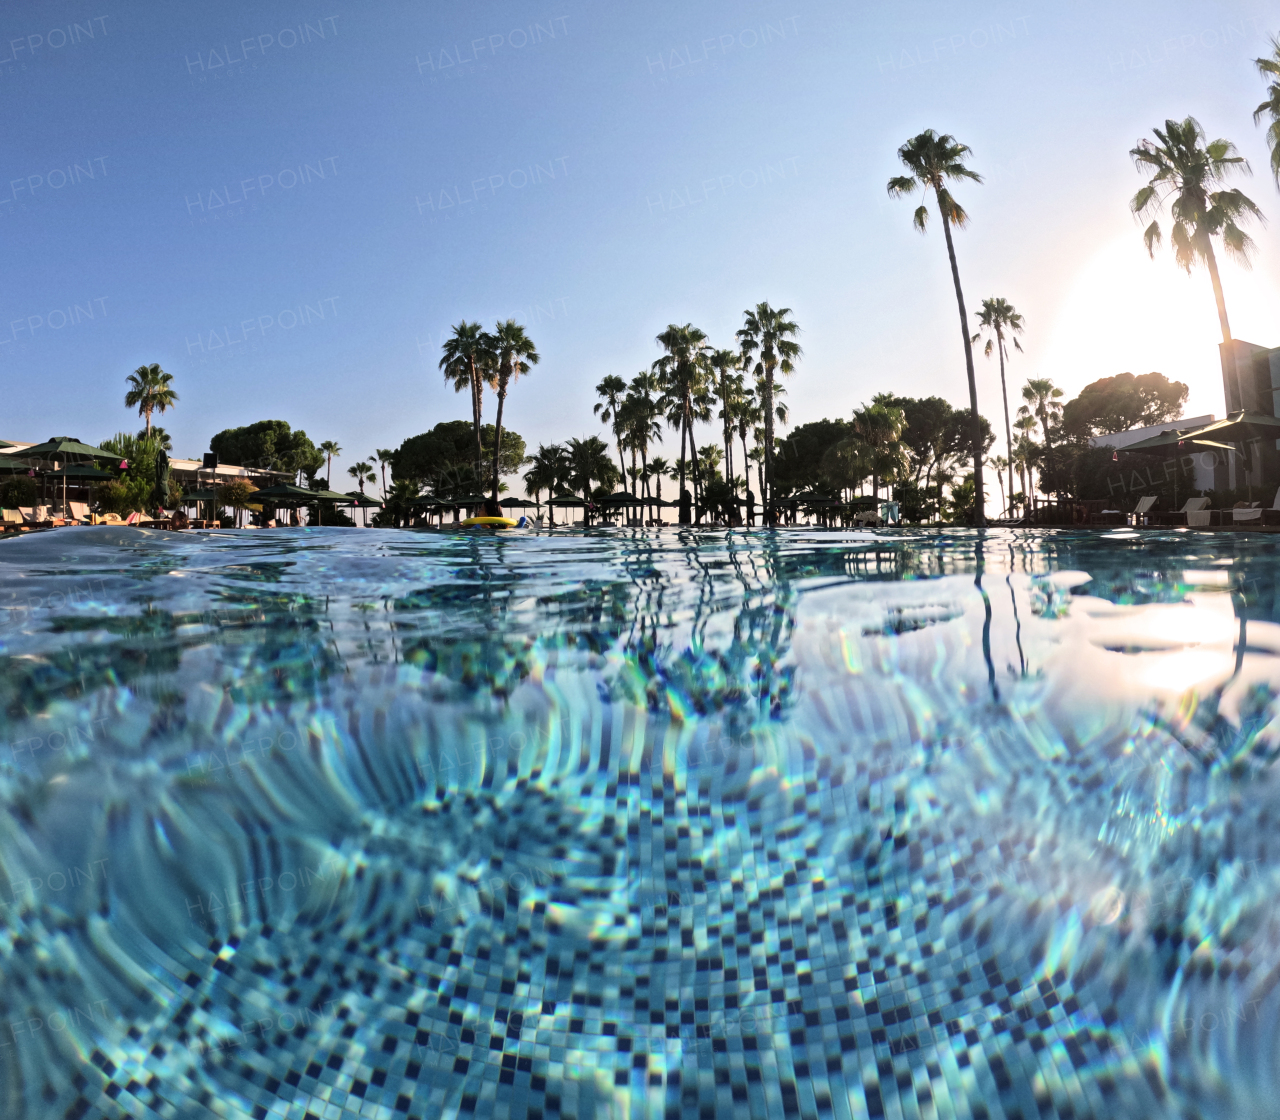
(639, 824)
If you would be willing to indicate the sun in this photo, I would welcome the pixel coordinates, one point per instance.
(1124, 311)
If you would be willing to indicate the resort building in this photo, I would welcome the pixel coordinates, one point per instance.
(1211, 468)
(1251, 380)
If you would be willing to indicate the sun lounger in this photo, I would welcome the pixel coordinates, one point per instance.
(1183, 515)
(1253, 514)
(79, 511)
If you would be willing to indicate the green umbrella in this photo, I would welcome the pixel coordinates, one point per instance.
(621, 498)
(79, 470)
(65, 447)
(191, 496)
(361, 501)
(517, 503)
(564, 499)
(1174, 437)
(326, 496)
(282, 493)
(9, 465)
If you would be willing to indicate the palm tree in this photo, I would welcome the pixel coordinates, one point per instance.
(998, 316)
(1270, 68)
(728, 387)
(1044, 403)
(611, 390)
(515, 356)
(588, 461)
(748, 417)
(932, 160)
(362, 472)
(150, 390)
(682, 372)
(331, 451)
(162, 438)
(999, 463)
(1184, 170)
(768, 336)
(547, 471)
(878, 428)
(467, 362)
(658, 469)
(642, 411)
(1023, 451)
(385, 458)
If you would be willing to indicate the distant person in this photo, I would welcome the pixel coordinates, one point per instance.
(179, 520)
(751, 508)
(686, 507)
(491, 508)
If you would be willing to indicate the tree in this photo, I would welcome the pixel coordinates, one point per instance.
(269, 445)
(1116, 404)
(1184, 172)
(589, 461)
(682, 374)
(932, 160)
(515, 356)
(468, 359)
(446, 454)
(331, 451)
(999, 317)
(384, 457)
(150, 390)
(362, 472)
(1044, 402)
(1270, 68)
(801, 461)
(728, 387)
(611, 390)
(161, 437)
(768, 336)
(659, 469)
(878, 428)
(237, 496)
(548, 470)
(639, 413)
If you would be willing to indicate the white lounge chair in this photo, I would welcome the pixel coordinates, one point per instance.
(1142, 509)
(1255, 513)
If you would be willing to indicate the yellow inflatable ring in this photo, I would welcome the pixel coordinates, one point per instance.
(492, 522)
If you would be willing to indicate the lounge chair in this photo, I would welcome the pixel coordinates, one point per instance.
(79, 511)
(1256, 515)
(1183, 516)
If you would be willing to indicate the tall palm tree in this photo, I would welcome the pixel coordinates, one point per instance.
(1044, 402)
(998, 464)
(748, 417)
(643, 409)
(725, 364)
(682, 371)
(1184, 172)
(932, 160)
(515, 356)
(385, 458)
(611, 390)
(150, 390)
(467, 362)
(331, 451)
(998, 317)
(768, 337)
(1270, 68)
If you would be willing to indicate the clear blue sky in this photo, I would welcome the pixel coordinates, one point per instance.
(287, 205)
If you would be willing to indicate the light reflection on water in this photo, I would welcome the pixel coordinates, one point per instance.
(638, 824)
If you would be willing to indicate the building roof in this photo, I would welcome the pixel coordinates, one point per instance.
(180, 466)
(1135, 435)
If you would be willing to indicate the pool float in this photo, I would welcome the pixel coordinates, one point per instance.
(490, 522)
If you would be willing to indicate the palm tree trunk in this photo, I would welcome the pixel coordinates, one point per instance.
(497, 434)
(980, 516)
(475, 417)
(1008, 431)
(693, 455)
(1215, 273)
(766, 484)
(746, 463)
(1212, 262)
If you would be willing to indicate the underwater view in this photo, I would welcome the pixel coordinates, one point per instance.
(697, 824)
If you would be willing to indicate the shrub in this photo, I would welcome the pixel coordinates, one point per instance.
(18, 491)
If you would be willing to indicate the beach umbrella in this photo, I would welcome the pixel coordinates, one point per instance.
(66, 448)
(566, 499)
(1174, 437)
(517, 503)
(162, 479)
(362, 501)
(78, 470)
(280, 494)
